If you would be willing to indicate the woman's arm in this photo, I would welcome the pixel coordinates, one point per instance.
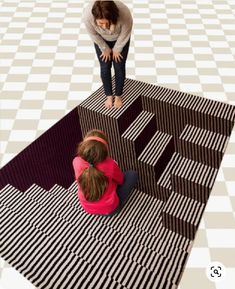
(95, 37)
(126, 27)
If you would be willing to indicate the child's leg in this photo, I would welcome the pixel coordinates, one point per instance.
(123, 191)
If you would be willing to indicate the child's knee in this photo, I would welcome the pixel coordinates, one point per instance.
(132, 175)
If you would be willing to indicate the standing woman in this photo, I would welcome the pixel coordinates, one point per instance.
(109, 25)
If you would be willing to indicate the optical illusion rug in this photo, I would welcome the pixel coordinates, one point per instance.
(174, 140)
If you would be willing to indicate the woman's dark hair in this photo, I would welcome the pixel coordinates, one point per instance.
(92, 181)
(105, 10)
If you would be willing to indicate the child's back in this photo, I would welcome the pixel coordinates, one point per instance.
(99, 176)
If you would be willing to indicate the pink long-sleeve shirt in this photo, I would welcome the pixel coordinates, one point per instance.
(109, 201)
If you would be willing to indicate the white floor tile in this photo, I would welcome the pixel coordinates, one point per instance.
(12, 279)
(28, 114)
(16, 135)
(229, 280)
(230, 187)
(199, 257)
(218, 204)
(221, 238)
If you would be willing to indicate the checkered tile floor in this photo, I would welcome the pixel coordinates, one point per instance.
(48, 66)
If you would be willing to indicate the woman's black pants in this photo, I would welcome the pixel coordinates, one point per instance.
(119, 69)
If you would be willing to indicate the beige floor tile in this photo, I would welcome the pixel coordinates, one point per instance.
(80, 86)
(223, 255)
(22, 62)
(200, 239)
(14, 146)
(230, 148)
(82, 70)
(144, 50)
(31, 104)
(29, 49)
(17, 78)
(4, 135)
(8, 114)
(63, 63)
(15, 95)
(71, 104)
(207, 71)
(57, 95)
(188, 79)
(231, 96)
(22, 124)
(195, 278)
(229, 173)
(4, 70)
(147, 78)
(141, 63)
(185, 63)
(212, 87)
(52, 114)
(219, 189)
(60, 78)
(36, 86)
(40, 70)
(232, 199)
(219, 220)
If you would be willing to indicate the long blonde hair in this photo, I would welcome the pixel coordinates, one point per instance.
(92, 181)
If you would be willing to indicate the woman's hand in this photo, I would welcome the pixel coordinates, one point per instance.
(106, 55)
(117, 56)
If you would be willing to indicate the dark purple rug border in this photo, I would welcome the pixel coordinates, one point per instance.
(48, 160)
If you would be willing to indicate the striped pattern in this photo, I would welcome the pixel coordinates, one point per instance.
(193, 179)
(137, 136)
(140, 131)
(147, 109)
(175, 109)
(166, 121)
(113, 122)
(57, 245)
(50, 239)
(164, 187)
(202, 145)
(182, 214)
(153, 160)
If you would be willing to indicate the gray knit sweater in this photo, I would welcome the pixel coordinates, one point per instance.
(121, 32)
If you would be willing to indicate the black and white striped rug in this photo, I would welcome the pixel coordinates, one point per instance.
(174, 140)
(55, 244)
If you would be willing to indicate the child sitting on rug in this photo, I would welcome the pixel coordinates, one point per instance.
(102, 187)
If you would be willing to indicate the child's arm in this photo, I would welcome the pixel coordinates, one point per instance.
(75, 168)
(118, 175)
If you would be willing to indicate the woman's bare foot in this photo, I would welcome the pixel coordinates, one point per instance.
(117, 102)
(109, 101)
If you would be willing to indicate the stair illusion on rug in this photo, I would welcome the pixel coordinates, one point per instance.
(174, 140)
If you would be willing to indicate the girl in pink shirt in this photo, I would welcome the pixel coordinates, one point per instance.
(102, 187)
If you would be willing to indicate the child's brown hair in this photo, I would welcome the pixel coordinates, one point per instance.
(93, 149)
